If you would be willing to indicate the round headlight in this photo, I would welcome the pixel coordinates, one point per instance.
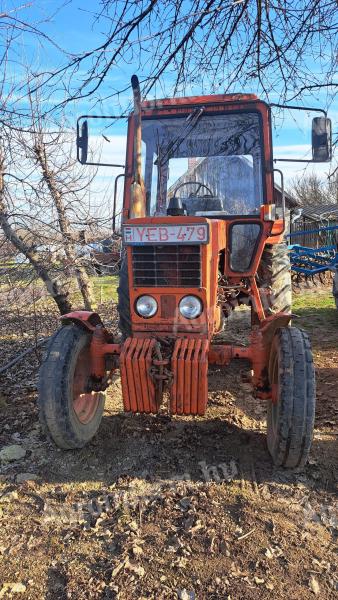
(190, 307)
(146, 306)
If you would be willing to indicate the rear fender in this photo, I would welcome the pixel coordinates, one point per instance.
(85, 318)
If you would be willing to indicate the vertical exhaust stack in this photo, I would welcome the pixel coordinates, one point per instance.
(138, 195)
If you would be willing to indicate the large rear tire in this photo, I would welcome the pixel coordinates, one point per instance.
(291, 411)
(70, 413)
(335, 287)
(123, 304)
(274, 273)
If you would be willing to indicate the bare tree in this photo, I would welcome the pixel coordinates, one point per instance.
(60, 174)
(311, 190)
(46, 210)
(49, 209)
(19, 26)
(215, 45)
(56, 289)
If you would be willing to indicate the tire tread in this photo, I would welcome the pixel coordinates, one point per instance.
(274, 272)
(296, 411)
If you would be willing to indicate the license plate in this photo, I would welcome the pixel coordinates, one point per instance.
(165, 234)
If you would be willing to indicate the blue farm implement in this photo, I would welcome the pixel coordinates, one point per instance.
(307, 262)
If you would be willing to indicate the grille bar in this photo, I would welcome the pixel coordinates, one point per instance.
(167, 266)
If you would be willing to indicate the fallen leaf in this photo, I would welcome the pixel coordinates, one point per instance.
(186, 595)
(133, 526)
(137, 569)
(137, 550)
(15, 588)
(314, 586)
(118, 568)
(9, 496)
(273, 552)
(198, 525)
(181, 563)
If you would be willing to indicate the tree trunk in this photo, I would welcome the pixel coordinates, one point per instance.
(55, 289)
(65, 227)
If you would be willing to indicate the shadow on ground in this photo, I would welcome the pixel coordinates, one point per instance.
(158, 448)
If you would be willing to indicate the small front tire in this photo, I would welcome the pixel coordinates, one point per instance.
(70, 413)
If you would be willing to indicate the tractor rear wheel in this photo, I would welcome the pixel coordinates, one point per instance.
(68, 411)
(123, 305)
(291, 410)
(274, 273)
(335, 287)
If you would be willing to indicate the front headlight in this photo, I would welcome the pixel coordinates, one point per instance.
(190, 307)
(146, 306)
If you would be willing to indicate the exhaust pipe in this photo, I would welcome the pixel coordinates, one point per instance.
(138, 192)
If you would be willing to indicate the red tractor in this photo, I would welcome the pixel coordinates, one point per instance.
(202, 234)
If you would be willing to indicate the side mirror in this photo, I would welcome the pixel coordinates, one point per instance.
(82, 143)
(321, 139)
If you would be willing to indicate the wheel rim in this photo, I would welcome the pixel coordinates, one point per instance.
(85, 403)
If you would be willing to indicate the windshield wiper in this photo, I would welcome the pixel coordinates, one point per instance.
(190, 122)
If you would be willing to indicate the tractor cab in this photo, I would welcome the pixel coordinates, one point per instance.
(203, 156)
(211, 163)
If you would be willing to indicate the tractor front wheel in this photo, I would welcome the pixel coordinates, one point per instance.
(291, 410)
(67, 408)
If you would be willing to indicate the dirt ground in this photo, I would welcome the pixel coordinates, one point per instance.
(187, 508)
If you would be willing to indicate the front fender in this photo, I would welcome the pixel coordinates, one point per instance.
(85, 318)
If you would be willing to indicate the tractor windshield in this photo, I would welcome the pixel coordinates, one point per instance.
(213, 163)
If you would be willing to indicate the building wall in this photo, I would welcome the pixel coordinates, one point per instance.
(229, 178)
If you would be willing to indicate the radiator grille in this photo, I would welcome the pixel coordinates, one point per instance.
(167, 266)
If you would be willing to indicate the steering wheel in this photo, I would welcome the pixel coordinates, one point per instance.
(200, 185)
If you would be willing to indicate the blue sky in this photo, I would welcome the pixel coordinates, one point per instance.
(71, 27)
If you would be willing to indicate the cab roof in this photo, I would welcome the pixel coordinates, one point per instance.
(193, 100)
